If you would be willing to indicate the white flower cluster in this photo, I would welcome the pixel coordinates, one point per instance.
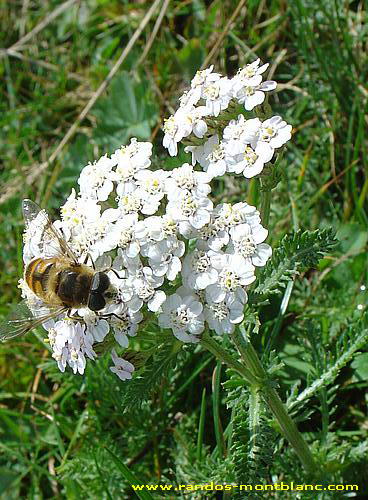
(151, 228)
(216, 272)
(246, 145)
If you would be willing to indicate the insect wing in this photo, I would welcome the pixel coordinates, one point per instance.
(32, 211)
(21, 320)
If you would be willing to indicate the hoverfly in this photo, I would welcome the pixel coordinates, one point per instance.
(60, 281)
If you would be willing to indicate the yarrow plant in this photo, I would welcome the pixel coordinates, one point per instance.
(153, 227)
(174, 255)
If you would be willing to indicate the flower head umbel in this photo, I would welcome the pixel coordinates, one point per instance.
(248, 88)
(160, 248)
(182, 313)
(234, 274)
(95, 179)
(223, 316)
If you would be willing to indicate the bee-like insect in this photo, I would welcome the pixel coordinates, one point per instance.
(61, 282)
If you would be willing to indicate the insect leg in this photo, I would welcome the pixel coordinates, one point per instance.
(88, 256)
(114, 271)
(109, 315)
(73, 317)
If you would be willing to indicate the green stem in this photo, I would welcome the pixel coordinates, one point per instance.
(289, 429)
(219, 352)
(219, 433)
(202, 418)
(287, 425)
(255, 375)
(265, 207)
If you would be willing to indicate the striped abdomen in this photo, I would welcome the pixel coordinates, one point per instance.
(59, 282)
(37, 276)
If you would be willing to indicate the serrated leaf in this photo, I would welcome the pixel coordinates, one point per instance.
(156, 368)
(298, 251)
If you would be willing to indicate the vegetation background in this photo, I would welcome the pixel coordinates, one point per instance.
(65, 436)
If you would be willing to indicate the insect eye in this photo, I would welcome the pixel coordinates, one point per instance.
(96, 302)
(100, 282)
